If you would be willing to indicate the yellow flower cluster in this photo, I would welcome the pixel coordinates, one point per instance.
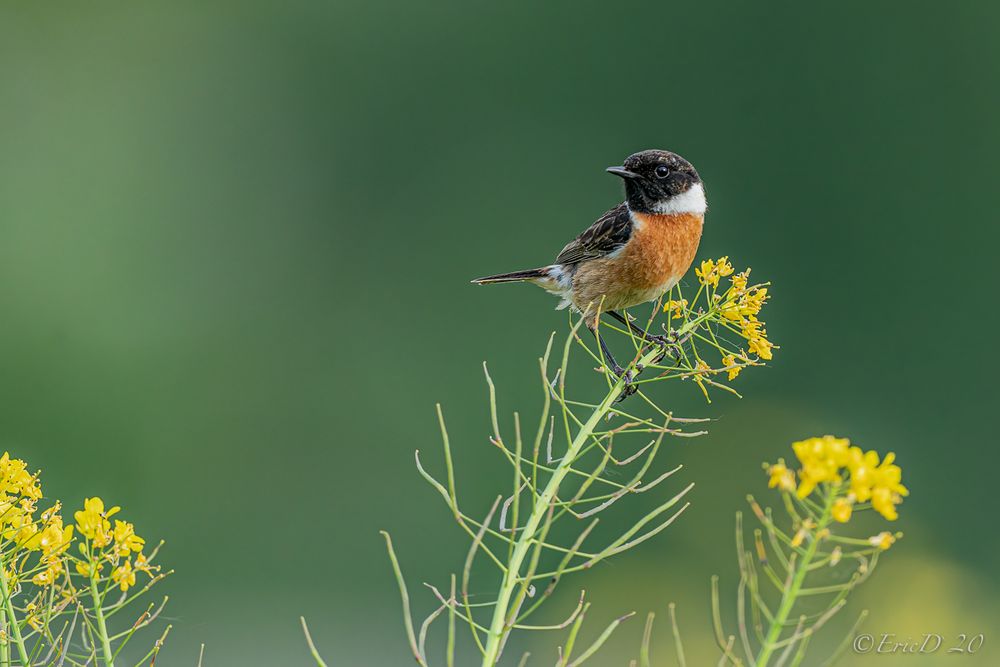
(742, 304)
(735, 307)
(19, 494)
(711, 270)
(828, 459)
(94, 523)
(38, 566)
(51, 540)
(15, 480)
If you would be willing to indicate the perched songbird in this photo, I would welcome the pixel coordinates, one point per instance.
(633, 253)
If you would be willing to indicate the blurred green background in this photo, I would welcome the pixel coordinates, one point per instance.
(236, 239)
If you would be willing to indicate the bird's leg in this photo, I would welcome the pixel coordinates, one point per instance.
(609, 358)
(630, 387)
(667, 342)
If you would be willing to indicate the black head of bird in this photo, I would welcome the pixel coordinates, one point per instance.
(659, 182)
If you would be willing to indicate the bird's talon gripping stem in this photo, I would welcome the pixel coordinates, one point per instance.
(629, 387)
(662, 341)
(665, 341)
(671, 345)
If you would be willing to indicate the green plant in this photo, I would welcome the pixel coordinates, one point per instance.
(518, 534)
(835, 481)
(569, 484)
(63, 586)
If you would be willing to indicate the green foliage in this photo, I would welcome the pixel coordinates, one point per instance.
(64, 585)
(581, 460)
(584, 459)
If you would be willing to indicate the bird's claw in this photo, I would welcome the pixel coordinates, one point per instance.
(669, 344)
(629, 386)
(662, 341)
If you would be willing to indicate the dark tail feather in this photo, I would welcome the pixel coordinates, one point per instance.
(516, 276)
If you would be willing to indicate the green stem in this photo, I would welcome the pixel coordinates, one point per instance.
(790, 595)
(14, 630)
(4, 646)
(503, 616)
(102, 628)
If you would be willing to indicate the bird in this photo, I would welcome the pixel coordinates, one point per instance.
(635, 252)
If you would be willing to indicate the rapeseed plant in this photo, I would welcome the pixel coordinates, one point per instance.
(834, 480)
(715, 333)
(711, 337)
(58, 602)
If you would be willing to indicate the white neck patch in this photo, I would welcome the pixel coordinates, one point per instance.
(692, 201)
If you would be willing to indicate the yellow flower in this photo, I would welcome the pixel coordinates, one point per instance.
(730, 311)
(800, 536)
(55, 538)
(710, 271)
(753, 301)
(781, 477)
(862, 466)
(883, 540)
(706, 273)
(92, 521)
(889, 475)
(26, 532)
(883, 503)
(51, 512)
(48, 576)
(124, 576)
(15, 480)
(90, 570)
(841, 510)
(821, 460)
(880, 482)
(739, 283)
(744, 303)
(126, 541)
(729, 361)
(759, 344)
(52, 538)
(753, 330)
(43, 578)
(88, 520)
(678, 307)
(141, 564)
(32, 617)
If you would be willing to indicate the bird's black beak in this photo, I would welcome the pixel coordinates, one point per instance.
(622, 171)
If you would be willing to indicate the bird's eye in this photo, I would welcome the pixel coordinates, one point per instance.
(662, 171)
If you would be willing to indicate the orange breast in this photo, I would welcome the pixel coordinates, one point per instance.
(657, 255)
(662, 248)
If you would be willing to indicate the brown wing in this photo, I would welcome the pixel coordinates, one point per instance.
(609, 233)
